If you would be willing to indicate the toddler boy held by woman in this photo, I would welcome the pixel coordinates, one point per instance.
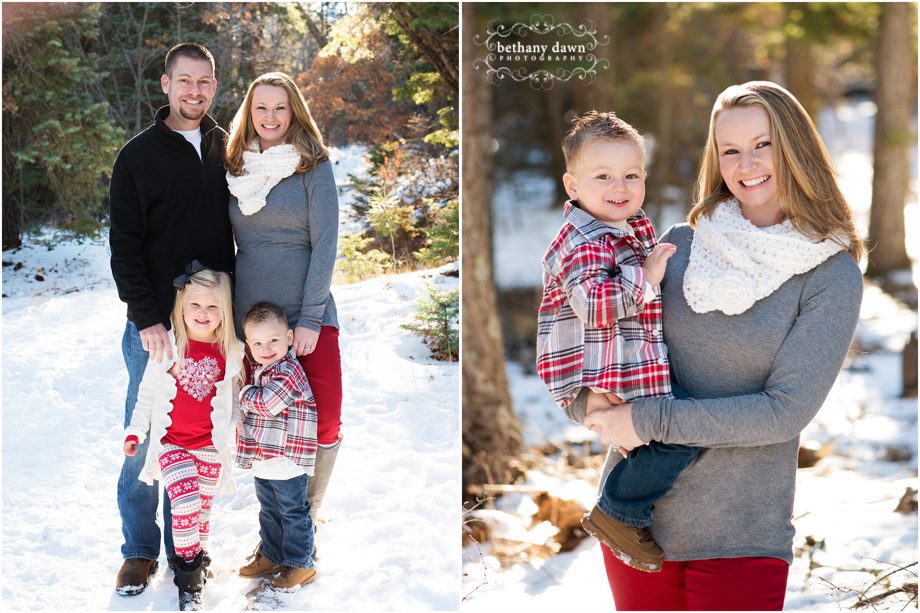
(600, 324)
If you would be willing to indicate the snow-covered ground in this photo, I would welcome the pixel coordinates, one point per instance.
(846, 501)
(392, 511)
(346, 161)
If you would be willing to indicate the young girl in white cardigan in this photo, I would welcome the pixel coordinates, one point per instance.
(186, 406)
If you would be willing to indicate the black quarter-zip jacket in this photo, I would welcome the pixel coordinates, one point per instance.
(167, 207)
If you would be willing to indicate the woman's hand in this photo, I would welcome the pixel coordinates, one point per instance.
(612, 421)
(305, 340)
(130, 448)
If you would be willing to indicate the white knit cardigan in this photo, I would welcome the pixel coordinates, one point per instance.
(151, 414)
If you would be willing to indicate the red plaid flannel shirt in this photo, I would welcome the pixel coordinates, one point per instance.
(279, 415)
(594, 328)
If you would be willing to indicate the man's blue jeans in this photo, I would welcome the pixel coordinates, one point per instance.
(137, 501)
(285, 526)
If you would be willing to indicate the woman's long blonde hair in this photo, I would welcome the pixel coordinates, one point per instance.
(230, 346)
(303, 132)
(806, 180)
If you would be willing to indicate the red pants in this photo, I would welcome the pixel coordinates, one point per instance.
(324, 373)
(724, 584)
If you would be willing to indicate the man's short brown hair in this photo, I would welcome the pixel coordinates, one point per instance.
(596, 125)
(189, 50)
(264, 311)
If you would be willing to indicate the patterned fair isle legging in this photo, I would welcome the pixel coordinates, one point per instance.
(190, 477)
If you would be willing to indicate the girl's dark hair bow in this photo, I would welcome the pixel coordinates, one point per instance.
(191, 268)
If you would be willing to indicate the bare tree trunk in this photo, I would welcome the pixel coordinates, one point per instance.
(557, 126)
(664, 166)
(318, 34)
(439, 49)
(894, 97)
(799, 67)
(491, 430)
(600, 94)
(12, 206)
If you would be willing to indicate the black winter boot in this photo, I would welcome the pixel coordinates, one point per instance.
(190, 580)
(206, 564)
(205, 561)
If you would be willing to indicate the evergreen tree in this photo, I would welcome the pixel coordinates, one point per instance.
(59, 141)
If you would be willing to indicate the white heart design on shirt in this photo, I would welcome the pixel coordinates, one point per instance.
(197, 377)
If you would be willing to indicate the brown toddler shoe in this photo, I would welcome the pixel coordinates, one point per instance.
(259, 567)
(291, 577)
(633, 546)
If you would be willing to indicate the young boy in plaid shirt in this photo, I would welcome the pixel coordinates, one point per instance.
(277, 440)
(600, 325)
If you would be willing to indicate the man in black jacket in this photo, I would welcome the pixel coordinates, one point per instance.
(168, 203)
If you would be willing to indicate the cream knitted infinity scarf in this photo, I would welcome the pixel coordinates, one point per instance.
(733, 263)
(261, 172)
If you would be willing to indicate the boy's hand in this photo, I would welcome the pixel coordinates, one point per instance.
(601, 400)
(657, 261)
(130, 448)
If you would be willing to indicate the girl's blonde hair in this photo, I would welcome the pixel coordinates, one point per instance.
(806, 180)
(303, 132)
(230, 346)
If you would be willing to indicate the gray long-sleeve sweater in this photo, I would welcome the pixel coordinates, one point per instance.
(286, 251)
(755, 380)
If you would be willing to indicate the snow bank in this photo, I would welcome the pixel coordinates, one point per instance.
(389, 540)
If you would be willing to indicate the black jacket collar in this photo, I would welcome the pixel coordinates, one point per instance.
(207, 122)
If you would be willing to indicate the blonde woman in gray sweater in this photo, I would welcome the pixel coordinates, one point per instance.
(284, 210)
(760, 305)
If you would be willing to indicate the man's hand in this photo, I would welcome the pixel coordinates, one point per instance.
(130, 448)
(155, 341)
(657, 261)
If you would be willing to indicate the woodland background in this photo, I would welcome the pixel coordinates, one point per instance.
(80, 79)
(668, 61)
(850, 64)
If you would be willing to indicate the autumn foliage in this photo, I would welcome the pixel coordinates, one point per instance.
(353, 102)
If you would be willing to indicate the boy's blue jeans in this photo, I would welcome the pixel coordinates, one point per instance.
(137, 501)
(285, 526)
(636, 483)
(640, 480)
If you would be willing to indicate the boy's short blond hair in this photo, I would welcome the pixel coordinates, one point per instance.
(596, 125)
